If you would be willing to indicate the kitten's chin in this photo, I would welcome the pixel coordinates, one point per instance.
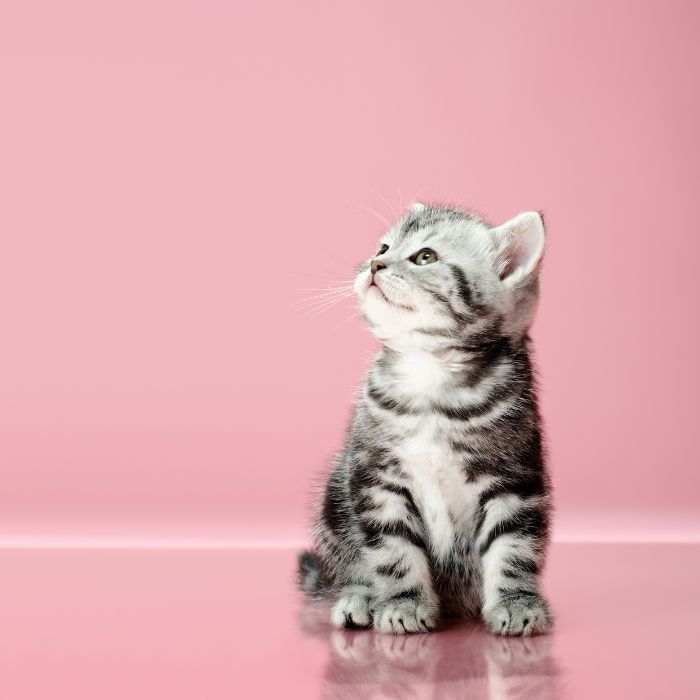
(387, 323)
(376, 293)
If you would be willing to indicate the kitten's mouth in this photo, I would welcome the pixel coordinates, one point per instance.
(374, 285)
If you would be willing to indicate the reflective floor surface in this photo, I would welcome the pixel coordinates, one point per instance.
(210, 624)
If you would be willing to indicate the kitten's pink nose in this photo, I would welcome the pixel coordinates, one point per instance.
(376, 265)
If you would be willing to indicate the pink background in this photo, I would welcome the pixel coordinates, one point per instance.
(173, 175)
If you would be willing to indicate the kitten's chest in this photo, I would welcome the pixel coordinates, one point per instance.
(446, 499)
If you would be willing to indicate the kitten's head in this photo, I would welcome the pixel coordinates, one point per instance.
(444, 273)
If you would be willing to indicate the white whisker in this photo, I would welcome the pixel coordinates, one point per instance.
(319, 301)
(345, 320)
(374, 213)
(322, 299)
(324, 278)
(390, 205)
(309, 314)
(325, 289)
(325, 295)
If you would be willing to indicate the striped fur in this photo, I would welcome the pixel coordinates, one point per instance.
(439, 501)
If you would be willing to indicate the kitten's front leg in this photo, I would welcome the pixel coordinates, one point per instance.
(395, 560)
(405, 601)
(510, 542)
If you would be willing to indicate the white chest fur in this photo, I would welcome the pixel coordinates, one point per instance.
(447, 501)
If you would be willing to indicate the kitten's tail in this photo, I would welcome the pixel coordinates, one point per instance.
(310, 575)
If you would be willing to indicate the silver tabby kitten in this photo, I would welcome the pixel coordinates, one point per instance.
(439, 501)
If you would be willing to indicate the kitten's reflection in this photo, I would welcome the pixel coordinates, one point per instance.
(460, 661)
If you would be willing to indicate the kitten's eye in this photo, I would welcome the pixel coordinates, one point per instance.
(424, 257)
(383, 249)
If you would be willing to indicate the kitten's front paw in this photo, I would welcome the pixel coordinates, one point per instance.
(405, 615)
(351, 610)
(525, 615)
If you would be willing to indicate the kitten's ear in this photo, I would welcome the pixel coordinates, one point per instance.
(417, 207)
(519, 246)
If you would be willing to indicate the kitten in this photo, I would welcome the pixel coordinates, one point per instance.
(439, 501)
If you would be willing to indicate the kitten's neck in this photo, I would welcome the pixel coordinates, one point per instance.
(454, 364)
(459, 353)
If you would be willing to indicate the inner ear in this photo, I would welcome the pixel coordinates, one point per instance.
(519, 245)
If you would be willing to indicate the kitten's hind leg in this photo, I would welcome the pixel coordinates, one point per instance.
(351, 609)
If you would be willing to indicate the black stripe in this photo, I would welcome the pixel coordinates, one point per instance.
(364, 476)
(465, 413)
(512, 593)
(386, 402)
(493, 491)
(415, 221)
(528, 520)
(412, 224)
(519, 567)
(375, 532)
(437, 332)
(408, 497)
(394, 570)
(410, 593)
(465, 292)
(458, 316)
(524, 485)
(475, 464)
(487, 348)
(335, 513)
(489, 338)
(439, 297)
(484, 358)
(364, 503)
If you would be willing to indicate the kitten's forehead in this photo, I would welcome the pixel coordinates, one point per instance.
(433, 225)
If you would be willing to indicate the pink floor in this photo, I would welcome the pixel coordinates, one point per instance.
(211, 624)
